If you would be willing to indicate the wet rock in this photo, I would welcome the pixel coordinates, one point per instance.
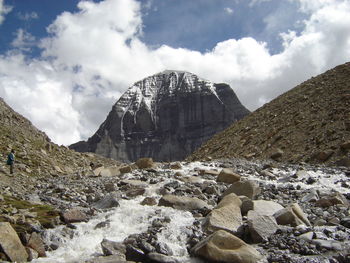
(109, 201)
(226, 216)
(345, 222)
(222, 246)
(11, 245)
(182, 202)
(35, 242)
(32, 254)
(228, 176)
(73, 215)
(292, 215)
(113, 248)
(144, 163)
(135, 191)
(247, 188)
(261, 227)
(159, 258)
(134, 254)
(151, 201)
(175, 166)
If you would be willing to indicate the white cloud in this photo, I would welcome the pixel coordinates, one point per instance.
(28, 16)
(4, 10)
(228, 10)
(92, 56)
(23, 40)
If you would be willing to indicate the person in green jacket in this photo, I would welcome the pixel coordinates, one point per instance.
(11, 160)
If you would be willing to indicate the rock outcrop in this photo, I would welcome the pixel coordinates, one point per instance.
(310, 123)
(166, 117)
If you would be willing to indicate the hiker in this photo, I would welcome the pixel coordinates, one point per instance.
(11, 160)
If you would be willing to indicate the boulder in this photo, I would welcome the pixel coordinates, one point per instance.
(228, 176)
(151, 201)
(261, 227)
(144, 163)
(292, 215)
(222, 246)
(226, 216)
(35, 242)
(125, 169)
(247, 188)
(310, 197)
(32, 254)
(109, 201)
(11, 244)
(261, 207)
(135, 191)
(332, 199)
(73, 215)
(113, 248)
(182, 202)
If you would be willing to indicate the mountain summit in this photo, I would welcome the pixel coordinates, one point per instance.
(165, 116)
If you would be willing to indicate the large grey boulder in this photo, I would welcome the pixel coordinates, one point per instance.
(262, 207)
(292, 215)
(74, 215)
(228, 176)
(109, 201)
(222, 246)
(11, 244)
(261, 227)
(247, 188)
(165, 117)
(226, 216)
(182, 202)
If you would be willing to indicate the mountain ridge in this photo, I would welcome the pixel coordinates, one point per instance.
(310, 123)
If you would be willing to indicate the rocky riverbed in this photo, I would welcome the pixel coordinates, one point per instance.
(227, 210)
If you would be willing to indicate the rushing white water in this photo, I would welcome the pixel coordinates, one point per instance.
(129, 218)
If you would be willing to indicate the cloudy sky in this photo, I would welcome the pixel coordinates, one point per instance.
(63, 64)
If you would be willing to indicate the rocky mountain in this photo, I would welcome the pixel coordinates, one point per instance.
(165, 116)
(310, 123)
(36, 156)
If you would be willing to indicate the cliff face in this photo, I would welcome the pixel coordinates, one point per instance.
(165, 116)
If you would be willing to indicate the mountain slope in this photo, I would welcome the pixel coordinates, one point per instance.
(35, 154)
(308, 123)
(165, 116)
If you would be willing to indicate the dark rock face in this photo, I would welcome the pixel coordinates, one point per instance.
(165, 116)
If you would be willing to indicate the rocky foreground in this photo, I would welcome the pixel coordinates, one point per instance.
(218, 211)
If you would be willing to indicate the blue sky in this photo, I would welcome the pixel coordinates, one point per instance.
(197, 25)
(70, 60)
